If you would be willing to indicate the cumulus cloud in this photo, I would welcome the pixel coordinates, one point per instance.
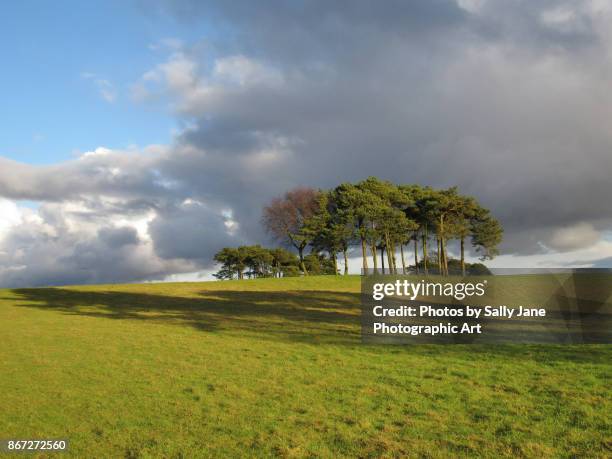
(508, 101)
(574, 237)
(74, 242)
(202, 231)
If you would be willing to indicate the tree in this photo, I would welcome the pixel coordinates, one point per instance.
(317, 264)
(259, 261)
(233, 262)
(413, 194)
(284, 263)
(388, 221)
(356, 205)
(444, 205)
(331, 228)
(423, 214)
(287, 217)
(341, 226)
(487, 234)
(460, 224)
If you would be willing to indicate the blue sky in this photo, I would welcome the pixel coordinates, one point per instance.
(54, 61)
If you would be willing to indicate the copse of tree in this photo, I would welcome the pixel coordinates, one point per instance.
(255, 261)
(378, 216)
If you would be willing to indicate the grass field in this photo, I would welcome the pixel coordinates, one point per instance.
(275, 367)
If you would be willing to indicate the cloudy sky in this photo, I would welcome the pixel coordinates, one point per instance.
(140, 137)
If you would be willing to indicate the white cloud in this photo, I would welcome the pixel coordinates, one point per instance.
(170, 43)
(79, 242)
(182, 78)
(578, 236)
(243, 71)
(565, 19)
(10, 215)
(579, 258)
(106, 89)
(473, 6)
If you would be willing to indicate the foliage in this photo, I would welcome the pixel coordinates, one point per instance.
(287, 218)
(258, 261)
(317, 263)
(378, 216)
(455, 269)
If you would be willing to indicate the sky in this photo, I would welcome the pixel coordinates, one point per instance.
(141, 136)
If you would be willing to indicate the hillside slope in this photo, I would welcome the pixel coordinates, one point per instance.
(276, 367)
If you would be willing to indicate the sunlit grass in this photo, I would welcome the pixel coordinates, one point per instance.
(276, 368)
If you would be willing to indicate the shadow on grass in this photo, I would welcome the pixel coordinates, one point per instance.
(309, 316)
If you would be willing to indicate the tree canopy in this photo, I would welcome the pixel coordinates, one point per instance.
(377, 216)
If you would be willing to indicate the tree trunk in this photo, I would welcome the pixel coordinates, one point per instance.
(463, 256)
(416, 254)
(344, 251)
(425, 236)
(393, 257)
(439, 255)
(373, 250)
(441, 239)
(389, 252)
(302, 264)
(403, 261)
(446, 256)
(364, 256)
(382, 258)
(443, 249)
(333, 255)
(443, 253)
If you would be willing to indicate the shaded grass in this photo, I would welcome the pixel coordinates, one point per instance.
(276, 368)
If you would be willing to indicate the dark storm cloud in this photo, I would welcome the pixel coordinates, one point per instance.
(191, 232)
(118, 237)
(297, 33)
(508, 100)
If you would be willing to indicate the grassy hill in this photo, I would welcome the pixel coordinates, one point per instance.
(275, 367)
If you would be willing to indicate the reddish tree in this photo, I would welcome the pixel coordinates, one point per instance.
(287, 218)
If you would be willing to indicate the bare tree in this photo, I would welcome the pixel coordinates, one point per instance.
(287, 219)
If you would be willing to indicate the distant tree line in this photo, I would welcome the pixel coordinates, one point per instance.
(252, 261)
(377, 216)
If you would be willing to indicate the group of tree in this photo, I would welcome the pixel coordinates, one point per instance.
(380, 218)
(252, 261)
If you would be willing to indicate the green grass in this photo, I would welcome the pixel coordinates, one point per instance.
(276, 368)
